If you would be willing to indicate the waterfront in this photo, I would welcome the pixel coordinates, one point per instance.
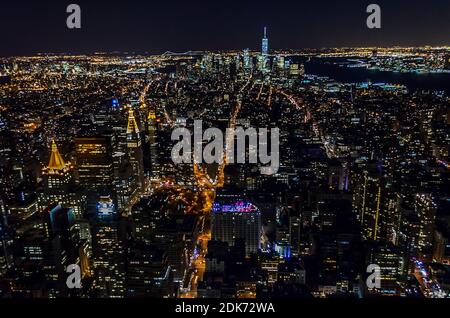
(414, 81)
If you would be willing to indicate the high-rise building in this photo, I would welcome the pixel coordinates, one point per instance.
(391, 264)
(176, 236)
(5, 261)
(108, 251)
(152, 131)
(95, 170)
(291, 271)
(425, 208)
(134, 146)
(58, 184)
(151, 263)
(248, 63)
(47, 248)
(236, 218)
(145, 216)
(94, 162)
(261, 63)
(367, 203)
(294, 231)
(441, 245)
(237, 62)
(265, 43)
(280, 62)
(124, 181)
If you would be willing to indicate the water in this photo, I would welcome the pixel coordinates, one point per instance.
(413, 81)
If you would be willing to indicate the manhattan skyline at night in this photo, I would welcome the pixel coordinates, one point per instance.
(211, 156)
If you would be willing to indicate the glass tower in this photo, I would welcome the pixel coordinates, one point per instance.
(265, 43)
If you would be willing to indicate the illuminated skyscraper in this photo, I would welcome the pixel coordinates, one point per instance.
(94, 162)
(58, 184)
(95, 171)
(237, 62)
(134, 146)
(109, 266)
(425, 208)
(280, 62)
(108, 251)
(391, 263)
(151, 124)
(47, 250)
(5, 261)
(57, 174)
(367, 203)
(247, 60)
(234, 218)
(265, 43)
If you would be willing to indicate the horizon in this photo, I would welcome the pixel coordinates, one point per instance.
(204, 26)
(275, 51)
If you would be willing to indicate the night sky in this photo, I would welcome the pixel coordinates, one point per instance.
(28, 27)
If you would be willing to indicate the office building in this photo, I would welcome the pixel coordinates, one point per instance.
(236, 218)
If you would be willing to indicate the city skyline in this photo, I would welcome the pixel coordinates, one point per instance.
(155, 28)
(258, 172)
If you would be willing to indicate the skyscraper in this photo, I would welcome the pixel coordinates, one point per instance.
(134, 146)
(108, 251)
(367, 203)
(94, 168)
(265, 43)
(56, 174)
(5, 260)
(94, 162)
(46, 252)
(235, 218)
(152, 263)
(391, 264)
(247, 60)
(58, 184)
(151, 123)
(108, 262)
(425, 208)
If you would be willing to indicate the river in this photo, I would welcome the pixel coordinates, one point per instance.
(413, 81)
